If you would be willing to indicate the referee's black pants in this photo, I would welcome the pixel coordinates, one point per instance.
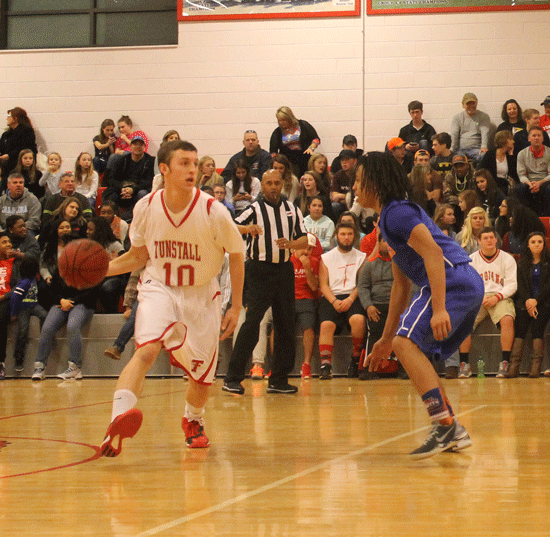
(269, 284)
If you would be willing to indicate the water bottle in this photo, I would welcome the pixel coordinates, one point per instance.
(480, 368)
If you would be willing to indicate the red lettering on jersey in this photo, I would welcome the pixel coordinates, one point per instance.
(197, 256)
(185, 252)
(196, 364)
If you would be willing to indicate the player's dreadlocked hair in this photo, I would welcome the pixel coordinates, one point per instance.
(384, 176)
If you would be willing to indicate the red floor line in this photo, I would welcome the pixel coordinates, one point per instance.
(80, 406)
(97, 455)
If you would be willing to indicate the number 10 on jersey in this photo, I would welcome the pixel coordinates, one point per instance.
(185, 275)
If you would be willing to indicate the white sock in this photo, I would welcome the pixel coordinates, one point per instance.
(193, 413)
(123, 401)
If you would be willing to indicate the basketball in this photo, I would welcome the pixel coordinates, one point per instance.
(83, 263)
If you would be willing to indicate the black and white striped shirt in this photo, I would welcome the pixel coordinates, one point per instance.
(283, 220)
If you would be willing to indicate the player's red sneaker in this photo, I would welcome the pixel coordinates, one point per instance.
(194, 433)
(124, 426)
(306, 371)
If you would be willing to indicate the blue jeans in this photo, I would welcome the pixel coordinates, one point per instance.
(127, 330)
(23, 322)
(75, 318)
(473, 154)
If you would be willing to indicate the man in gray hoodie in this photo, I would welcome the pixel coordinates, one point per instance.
(470, 130)
(374, 285)
(19, 201)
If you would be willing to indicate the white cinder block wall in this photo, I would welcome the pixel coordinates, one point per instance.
(350, 75)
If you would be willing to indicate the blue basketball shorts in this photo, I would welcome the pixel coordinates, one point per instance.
(464, 294)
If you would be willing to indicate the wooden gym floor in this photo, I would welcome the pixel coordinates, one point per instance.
(331, 460)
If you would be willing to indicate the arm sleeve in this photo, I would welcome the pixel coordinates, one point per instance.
(485, 127)
(44, 179)
(510, 277)
(86, 210)
(310, 134)
(226, 233)
(521, 167)
(27, 140)
(228, 170)
(299, 227)
(146, 180)
(400, 220)
(33, 250)
(225, 285)
(18, 295)
(364, 285)
(274, 142)
(47, 213)
(246, 217)
(485, 162)
(229, 190)
(92, 191)
(139, 222)
(35, 212)
(329, 234)
(455, 133)
(255, 189)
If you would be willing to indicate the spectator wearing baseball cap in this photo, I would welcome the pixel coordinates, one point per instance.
(460, 179)
(131, 177)
(396, 146)
(545, 119)
(417, 134)
(349, 142)
(470, 130)
(342, 181)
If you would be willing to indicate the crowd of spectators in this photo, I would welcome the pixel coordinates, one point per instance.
(465, 180)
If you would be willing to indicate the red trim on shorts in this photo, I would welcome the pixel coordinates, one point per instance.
(209, 205)
(139, 345)
(175, 363)
(193, 203)
(201, 380)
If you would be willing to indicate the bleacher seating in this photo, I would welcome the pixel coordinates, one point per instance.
(104, 328)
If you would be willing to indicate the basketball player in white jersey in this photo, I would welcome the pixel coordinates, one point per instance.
(179, 234)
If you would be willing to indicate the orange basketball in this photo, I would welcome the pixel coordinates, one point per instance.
(83, 263)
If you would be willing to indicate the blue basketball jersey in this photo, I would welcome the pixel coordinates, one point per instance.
(397, 220)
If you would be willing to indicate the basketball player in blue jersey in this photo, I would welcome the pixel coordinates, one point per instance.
(441, 314)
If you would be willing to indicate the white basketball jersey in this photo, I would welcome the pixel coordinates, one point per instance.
(188, 248)
(342, 269)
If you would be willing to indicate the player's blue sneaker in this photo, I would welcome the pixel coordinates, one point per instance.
(462, 438)
(441, 438)
(124, 426)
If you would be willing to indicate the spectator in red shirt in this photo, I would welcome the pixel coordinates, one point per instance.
(306, 283)
(6, 285)
(122, 143)
(370, 241)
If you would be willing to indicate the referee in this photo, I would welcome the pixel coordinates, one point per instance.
(273, 226)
